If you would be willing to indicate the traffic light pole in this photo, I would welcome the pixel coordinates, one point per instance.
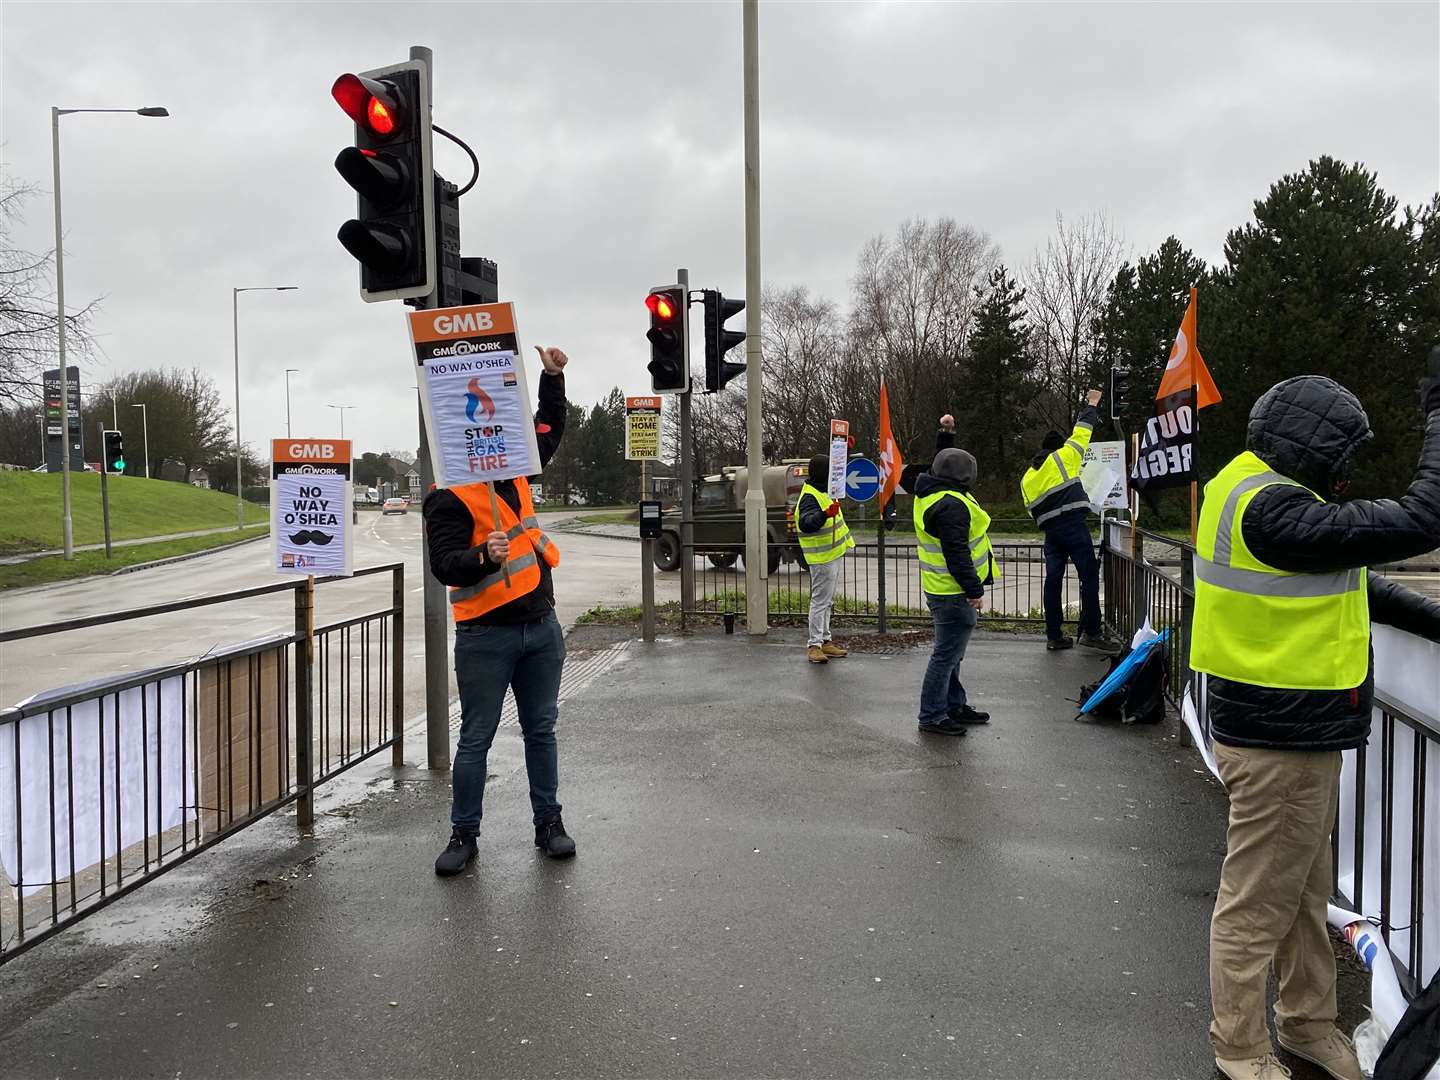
(437, 632)
(105, 491)
(756, 595)
(687, 481)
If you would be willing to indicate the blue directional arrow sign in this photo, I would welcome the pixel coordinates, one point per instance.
(862, 480)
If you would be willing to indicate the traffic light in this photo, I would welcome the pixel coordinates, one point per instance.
(719, 341)
(669, 340)
(114, 451)
(1119, 391)
(393, 233)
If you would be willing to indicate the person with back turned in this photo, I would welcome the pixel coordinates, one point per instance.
(1283, 607)
(1057, 501)
(952, 545)
(824, 540)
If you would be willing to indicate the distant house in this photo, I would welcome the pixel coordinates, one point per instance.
(199, 478)
(412, 479)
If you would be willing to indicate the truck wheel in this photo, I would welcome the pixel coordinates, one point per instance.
(667, 552)
(724, 562)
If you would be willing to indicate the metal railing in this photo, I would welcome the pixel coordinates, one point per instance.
(108, 784)
(1147, 575)
(879, 583)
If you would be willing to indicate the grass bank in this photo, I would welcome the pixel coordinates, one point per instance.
(30, 510)
(52, 568)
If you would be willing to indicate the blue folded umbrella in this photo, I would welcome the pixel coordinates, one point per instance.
(1124, 671)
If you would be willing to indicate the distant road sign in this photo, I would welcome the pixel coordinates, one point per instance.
(862, 480)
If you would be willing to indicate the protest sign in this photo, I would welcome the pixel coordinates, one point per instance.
(310, 506)
(474, 393)
(839, 456)
(1102, 475)
(642, 428)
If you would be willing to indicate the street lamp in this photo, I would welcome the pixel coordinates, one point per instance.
(288, 372)
(235, 331)
(145, 420)
(342, 409)
(55, 114)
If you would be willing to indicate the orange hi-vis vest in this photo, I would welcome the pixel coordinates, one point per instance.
(527, 546)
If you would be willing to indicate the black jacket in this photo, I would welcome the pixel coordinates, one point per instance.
(949, 522)
(1310, 437)
(449, 528)
(812, 518)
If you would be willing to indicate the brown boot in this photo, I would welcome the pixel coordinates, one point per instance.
(816, 655)
(833, 651)
(1267, 1067)
(1334, 1053)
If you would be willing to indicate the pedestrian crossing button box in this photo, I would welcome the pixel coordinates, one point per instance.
(649, 520)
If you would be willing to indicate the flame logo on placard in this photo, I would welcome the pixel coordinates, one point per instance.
(477, 398)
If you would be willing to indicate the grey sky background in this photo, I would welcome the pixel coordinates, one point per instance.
(610, 142)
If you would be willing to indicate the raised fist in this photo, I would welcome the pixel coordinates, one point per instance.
(947, 423)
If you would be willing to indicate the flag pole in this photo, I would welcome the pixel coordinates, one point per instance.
(1195, 414)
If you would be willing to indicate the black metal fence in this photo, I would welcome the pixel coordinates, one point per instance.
(879, 583)
(106, 785)
(1146, 575)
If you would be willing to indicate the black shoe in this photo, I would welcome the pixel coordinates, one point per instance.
(1064, 641)
(967, 715)
(551, 838)
(947, 726)
(457, 855)
(1100, 643)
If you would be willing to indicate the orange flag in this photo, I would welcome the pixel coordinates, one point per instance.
(890, 461)
(1187, 367)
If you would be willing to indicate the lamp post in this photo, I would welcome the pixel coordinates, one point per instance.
(235, 333)
(145, 420)
(342, 409)
(55, 114)
(288, 372)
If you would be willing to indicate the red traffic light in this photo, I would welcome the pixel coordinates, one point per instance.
(372, 104)
(661, 306)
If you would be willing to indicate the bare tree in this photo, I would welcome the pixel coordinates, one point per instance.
(804, 350)
(913, 300)
(27, 308)
(1065, 288)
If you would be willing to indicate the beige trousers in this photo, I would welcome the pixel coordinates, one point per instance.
(1271, 903)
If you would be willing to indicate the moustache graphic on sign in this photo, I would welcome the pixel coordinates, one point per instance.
(310, 536)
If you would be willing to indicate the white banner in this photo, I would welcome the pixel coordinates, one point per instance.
(310, 512)
(1102, 475)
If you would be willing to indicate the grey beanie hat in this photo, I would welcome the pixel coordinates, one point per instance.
(955, 465)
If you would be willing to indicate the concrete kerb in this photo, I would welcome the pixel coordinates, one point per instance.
(187, 557)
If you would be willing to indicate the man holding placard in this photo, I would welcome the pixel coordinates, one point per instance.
(824, 540)
(486, 544)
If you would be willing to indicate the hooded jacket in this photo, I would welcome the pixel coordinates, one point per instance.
(1309, 429)
(949, 522)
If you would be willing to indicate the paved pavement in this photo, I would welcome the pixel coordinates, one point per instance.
(777, 877)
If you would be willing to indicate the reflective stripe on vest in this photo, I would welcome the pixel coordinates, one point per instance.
(1267, 627)
(1051, 489)
(528, 546)
(935, 576)
(832, 541)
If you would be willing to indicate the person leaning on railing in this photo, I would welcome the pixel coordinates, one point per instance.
(1283, 607)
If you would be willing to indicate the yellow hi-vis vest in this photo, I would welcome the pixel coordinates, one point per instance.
(1055, 487)
(935, 576)
(832, 541)
(1259, 625)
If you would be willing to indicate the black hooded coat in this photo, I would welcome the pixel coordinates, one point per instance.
(1308, 429)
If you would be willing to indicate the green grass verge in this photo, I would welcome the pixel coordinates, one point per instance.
(610, 517)
(50, 568)
(30, 509)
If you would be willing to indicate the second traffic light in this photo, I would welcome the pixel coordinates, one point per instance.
(114, 445)
(669, 339)
(392, 233)
(719, 341)
(1119, 392)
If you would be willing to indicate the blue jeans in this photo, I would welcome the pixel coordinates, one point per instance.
(488, 659)
(942, 693)
(1070, 541)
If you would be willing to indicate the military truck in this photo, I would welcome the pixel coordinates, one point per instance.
(719, 525)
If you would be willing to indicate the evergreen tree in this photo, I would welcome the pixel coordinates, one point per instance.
(1002, 382)
(1142, 312)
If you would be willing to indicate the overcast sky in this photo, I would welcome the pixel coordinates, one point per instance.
(610, 140)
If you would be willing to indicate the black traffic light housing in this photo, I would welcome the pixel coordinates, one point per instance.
(114, 444)
(669, 339)
(719, 341)
(392, 235)
(1119, 392)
